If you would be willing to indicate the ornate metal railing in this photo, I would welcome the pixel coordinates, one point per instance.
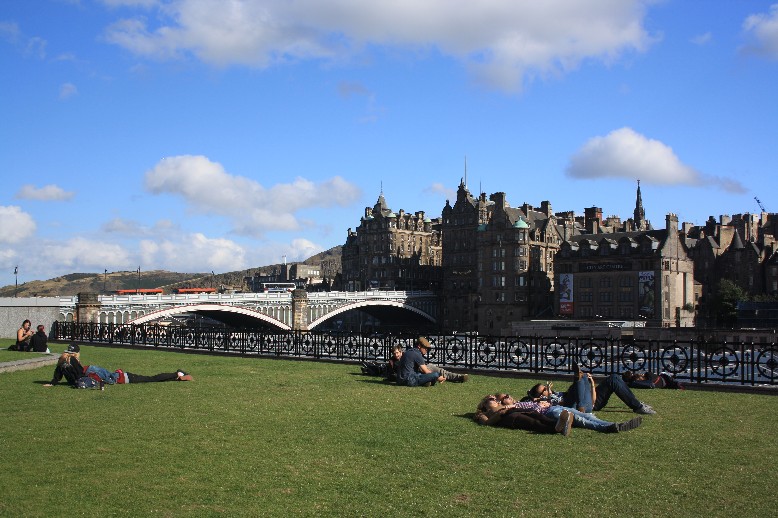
(689, 361)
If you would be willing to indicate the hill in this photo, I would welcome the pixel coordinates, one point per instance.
(74, 283)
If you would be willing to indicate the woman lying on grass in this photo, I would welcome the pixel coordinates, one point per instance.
(69, 366)
(491, 412)
(504, 404)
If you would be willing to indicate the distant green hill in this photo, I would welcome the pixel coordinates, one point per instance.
(75, 283)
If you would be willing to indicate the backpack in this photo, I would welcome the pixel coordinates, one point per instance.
(85, 382)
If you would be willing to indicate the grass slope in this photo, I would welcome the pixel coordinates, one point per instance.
(262, 437)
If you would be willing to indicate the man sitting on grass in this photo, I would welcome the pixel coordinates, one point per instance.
(389, 369)
(413, 370)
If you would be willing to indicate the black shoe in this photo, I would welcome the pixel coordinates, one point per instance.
(630, 425)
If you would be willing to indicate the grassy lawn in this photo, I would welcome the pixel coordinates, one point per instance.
(262, 437)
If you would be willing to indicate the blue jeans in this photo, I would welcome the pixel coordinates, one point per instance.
(104, 374)
(581, 419)
(419, 378)
(614, 384)
(579, 394)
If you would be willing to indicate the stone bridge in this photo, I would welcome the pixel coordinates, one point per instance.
(299, 310)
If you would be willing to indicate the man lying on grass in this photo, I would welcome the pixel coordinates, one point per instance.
(69, 366)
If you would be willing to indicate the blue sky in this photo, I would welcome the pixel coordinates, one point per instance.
(216, 135)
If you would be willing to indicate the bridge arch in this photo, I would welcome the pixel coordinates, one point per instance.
(154, 315)
(369, 304)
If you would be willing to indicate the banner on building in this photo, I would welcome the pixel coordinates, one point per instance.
(646, 292)
(566, 304)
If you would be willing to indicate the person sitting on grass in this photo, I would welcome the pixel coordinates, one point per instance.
(413, 370)
(586, 396)
(580, 419)
(490, 412)
(389, 370)
(23, 337)
(69, 367)
(649, 380)
(38, 342)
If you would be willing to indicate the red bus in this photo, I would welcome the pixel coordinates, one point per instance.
(142, 291)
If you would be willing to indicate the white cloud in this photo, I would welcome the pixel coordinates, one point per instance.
(252, 208)
(702, 39)
(46, 193)
(624, 153)
(193, 253)
(9, 32)
(505, 42)
(16, 226)
(763, 28)
(131, 228)
(80, 254)
(439, 188)
(67, 90)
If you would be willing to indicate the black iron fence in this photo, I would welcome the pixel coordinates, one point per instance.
(690, 361)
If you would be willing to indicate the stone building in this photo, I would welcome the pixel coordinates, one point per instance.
(498, 262)
(742, 249)
(646, 275)
(459, 228)
(394, 251)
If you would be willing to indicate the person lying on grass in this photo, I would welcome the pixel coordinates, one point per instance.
(69, 366)
(490, 412)
(587, 396)
(649, 380)
(580, 419)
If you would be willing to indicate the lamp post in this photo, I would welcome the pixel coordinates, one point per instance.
(105, 275)
(137, 289)
(16, 277)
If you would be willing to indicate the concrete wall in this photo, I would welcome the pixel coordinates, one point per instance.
(39, 310)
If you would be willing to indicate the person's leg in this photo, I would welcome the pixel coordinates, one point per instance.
(450, 376)
(102, 373)
(531, 421)
(423, 379)
(584, 420)
(139, 378)
(613, 384)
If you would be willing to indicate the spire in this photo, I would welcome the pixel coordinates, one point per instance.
(465, 179)
(640, 213)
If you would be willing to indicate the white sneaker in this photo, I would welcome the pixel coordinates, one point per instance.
(644, 409)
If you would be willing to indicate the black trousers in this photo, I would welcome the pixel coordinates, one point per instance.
(139, 378)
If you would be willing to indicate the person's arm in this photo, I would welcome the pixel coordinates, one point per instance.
(22, 335)
(494, 418)
(56, 378)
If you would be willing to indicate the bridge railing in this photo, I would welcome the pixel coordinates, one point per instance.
(689, 361)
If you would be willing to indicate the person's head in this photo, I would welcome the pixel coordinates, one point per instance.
(488, 403)
(26, 324)
(505, 399)
(628, 376)
(423, 344)
(41, 328)
(539, 390)
(397, 352)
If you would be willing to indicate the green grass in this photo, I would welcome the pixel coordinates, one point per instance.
(261, 437)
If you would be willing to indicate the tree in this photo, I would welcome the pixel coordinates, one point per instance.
(725, 298)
